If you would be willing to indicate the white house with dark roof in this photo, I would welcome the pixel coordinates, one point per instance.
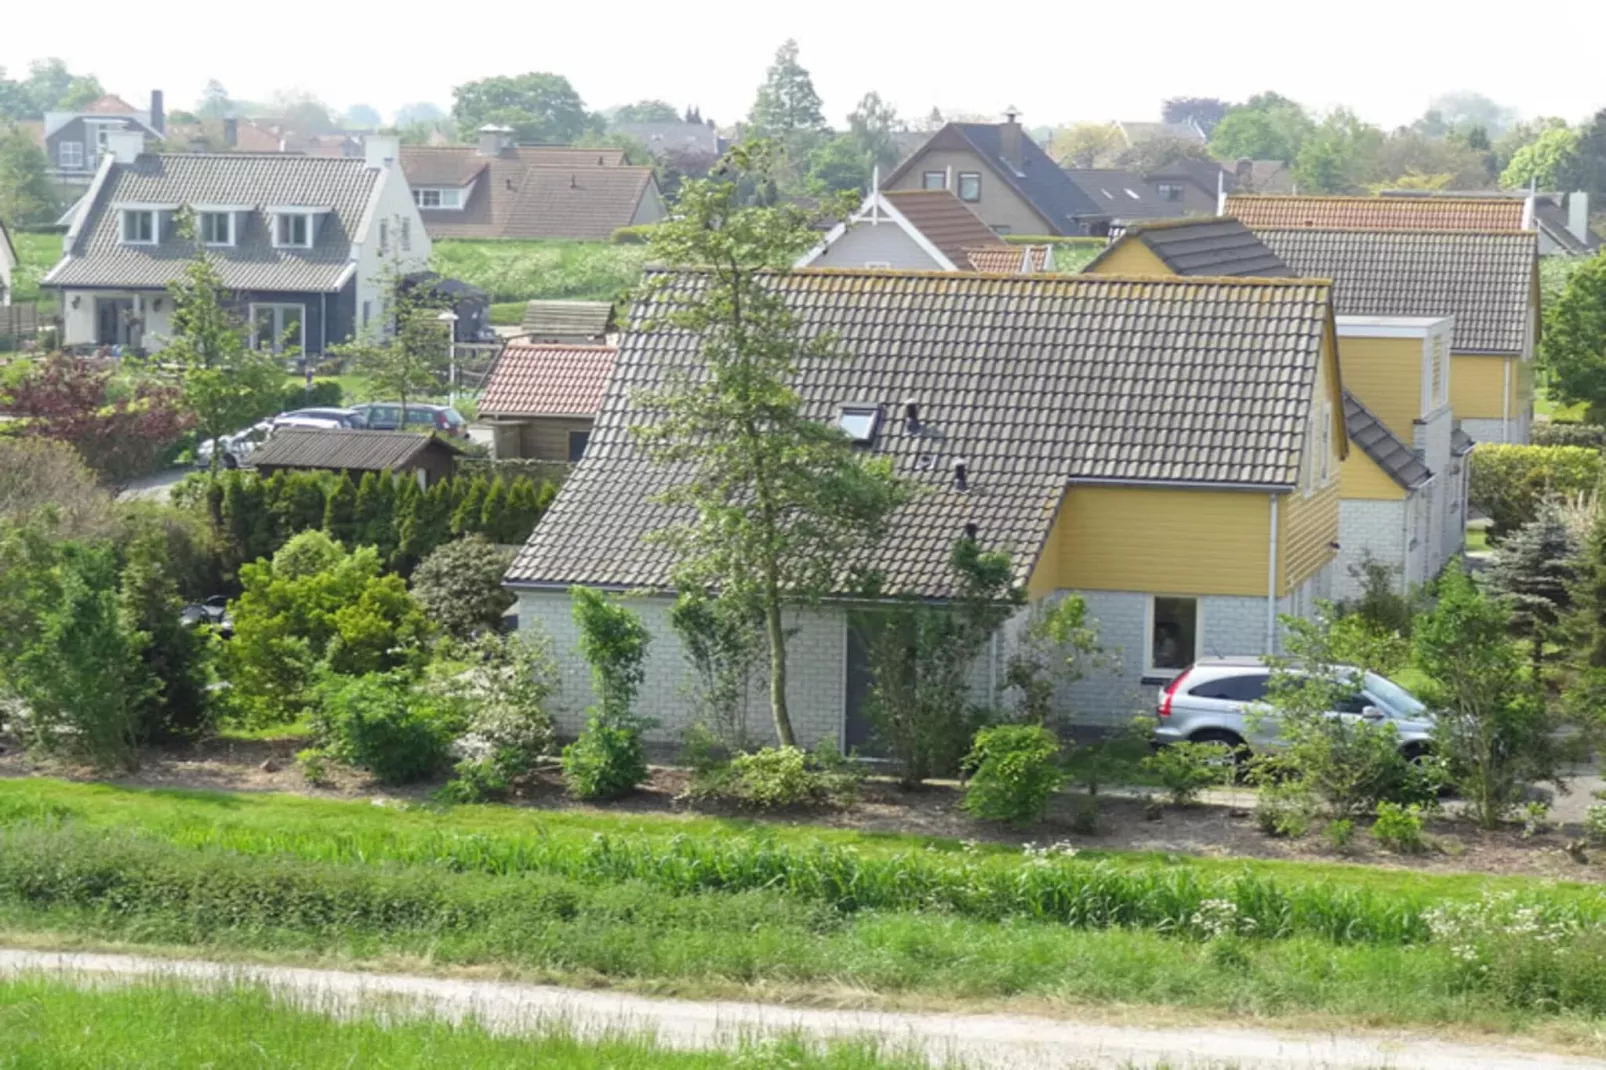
(302, 243)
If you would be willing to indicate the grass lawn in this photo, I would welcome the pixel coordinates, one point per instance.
(1546, 409)
(159, 1024)
(1477, 539)
(515, 271)
(36, 254)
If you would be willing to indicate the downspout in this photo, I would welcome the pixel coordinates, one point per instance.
(1505, 400)
(1271, 581)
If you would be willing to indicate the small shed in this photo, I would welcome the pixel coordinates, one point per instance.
(567, 322)
(541, 400)
(428, 458)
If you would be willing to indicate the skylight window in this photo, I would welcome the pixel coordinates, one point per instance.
(860, 422)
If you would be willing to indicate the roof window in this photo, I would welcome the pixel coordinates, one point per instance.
(859, 421)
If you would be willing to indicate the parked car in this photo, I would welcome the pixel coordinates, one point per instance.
(213, 611)
(237, 448)
(1214, 701)
(328, 417)
(442, 419)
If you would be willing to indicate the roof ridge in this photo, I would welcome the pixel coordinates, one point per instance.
(1480, 233)
(1179, 221)
(1492, 199)
(1079, 278)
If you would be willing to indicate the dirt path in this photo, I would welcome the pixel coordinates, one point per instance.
(994, 1041)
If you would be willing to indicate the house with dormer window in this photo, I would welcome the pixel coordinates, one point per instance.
(302, 243)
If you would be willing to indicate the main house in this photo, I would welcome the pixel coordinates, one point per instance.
(1004, 176)
(922, 230)
(1403, 491)
(301, 243)
(1185, 482)
(496, 189)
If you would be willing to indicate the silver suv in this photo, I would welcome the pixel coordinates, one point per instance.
(1213, 700)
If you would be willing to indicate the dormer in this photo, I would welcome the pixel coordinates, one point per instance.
(217, 226)
(140, 222)
(295, 226)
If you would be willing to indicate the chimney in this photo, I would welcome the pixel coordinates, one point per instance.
(1009, 138)
(1578, 215)
(125, 146)
(380, 150)
(231, 131)
(911, 417)
(961, 476)
(971, 531)
(1244, 175)
(495, 140)
(158, 113)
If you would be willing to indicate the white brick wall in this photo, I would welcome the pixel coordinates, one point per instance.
(1363, 524)
(1494, 430)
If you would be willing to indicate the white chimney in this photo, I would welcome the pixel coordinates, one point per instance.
(124, 146)
(1578, 215)
(494, 140)
(380, 150)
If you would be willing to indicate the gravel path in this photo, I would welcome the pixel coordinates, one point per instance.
(993, 1041)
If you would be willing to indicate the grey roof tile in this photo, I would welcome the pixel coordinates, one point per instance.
(1397, 460)
(1222, 248)
(1034, 381)
(567, 321)
(363, 451)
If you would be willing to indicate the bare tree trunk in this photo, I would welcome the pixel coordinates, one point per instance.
(777, 639)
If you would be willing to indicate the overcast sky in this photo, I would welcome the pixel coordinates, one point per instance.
(1057, 62)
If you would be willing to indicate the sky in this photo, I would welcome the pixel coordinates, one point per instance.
(1055, 62)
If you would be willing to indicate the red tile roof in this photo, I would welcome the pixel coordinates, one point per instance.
(548, 380)
(1378, 213)
(1008, 259)
(945, 220)
(110, 104)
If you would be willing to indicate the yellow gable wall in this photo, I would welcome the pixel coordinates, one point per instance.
(1307, 528)
(1386, 375)
(1362, 478)
(1130, 257)
(1476, 382)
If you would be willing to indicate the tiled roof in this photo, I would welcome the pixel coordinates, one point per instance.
(1136, 133)
(1207, 247)
(529, 191)
(1377, 213)
(567, 321)
(1005, 259)
(1484, 280)
(586, 204)
(668, 138)
(547, 380)
(362, 451)
(344, 186)
(945, 220)
(1122, 194)
(456, 165)
(1033, 381)
(110, 104)
(1398, 460)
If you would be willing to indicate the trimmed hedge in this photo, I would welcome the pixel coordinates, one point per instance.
(1508, 482)
(1568, 433)
(639, 234)
(323, 394)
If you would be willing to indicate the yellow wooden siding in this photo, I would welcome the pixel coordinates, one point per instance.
(1130, 257)
(1159, 540)
(1386, 375)
(1476, 383)
(546, 438)
(1307, 529)
(1362, 479)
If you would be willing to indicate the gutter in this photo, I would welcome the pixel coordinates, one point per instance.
(1182, 484)
(1271, 579)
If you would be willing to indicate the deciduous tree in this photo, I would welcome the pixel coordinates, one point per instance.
(1551, 162)
(1085, 144)
(1573, 345)
(646, 111)
(26, 193)
(1265, 127)
(405, 350)
(539, 107)
(67, 399)
(873, 123)
(1207, 112)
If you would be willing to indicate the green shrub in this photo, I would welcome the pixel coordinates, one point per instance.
(323, 394)
(1186, 769)
(1595, 822)
(475, 780)
(606, 761)
(459, 586)
(638, 234)
(1399, 828)
(1567, 433)
(1014, 772)
(775, 777)
(1508, 482)
(1284, 808)
(499, 685)
(1340, 833)
(314, 766)
(382, 723)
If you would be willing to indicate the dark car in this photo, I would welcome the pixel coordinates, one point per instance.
(442, 419)
(213, 611)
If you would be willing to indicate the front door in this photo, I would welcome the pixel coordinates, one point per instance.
(113, 316)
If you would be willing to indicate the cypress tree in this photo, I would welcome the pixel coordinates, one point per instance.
(368, 513)
(1535, 570)
(466, 517)
(524, 509)
(430, 522)
(340, 512)
(494, 513)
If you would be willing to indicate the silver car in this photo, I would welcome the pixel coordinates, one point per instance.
(1223, 700)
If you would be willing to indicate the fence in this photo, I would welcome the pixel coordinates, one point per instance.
(19, 327)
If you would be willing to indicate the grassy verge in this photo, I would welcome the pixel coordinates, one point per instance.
(52, 1023)
(527, 270)
(36, 255)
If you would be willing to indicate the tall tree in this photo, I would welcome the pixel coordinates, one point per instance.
(873, 123)
(1462, 110)
(420, 111)
(839, 165)
(26, 193)
(215, 103)
(646, 111)
(539, 107)
(1535, 570)
(224, 383)
(1265, 127)
(405, 350)
(1084, 144)
(1207, 112)
(1591, 161)
(361, 117)
(15, 103)
(1338, 156)
(787, 103)
(83, 91)
(1550, 162)
(47, 83)
(777, 500)
(1573, 346)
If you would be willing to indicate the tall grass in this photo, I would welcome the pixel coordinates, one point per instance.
(527, 270)
(160, 1024)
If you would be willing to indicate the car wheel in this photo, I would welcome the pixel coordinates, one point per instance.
(1233, 741)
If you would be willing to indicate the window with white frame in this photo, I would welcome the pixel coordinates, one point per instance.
(139, 226)
(438, 198)
(934, 180)
(1173, 641)
(292, 230)
(384, 237)
(70, 155)
(217, 228)
(1168, 191)
(1326, 440)
(970, 186)
(278, 327)
(406, 235)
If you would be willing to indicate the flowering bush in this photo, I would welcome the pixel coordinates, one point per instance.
(1529, 953)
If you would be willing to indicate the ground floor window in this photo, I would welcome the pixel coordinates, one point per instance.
(278, 327)
(1173, 634)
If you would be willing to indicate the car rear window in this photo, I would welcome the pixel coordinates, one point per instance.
(1249, 687)
(421, 416)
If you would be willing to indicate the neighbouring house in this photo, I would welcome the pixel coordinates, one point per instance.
(301, 243)
(1379, 213)
(922, 230)
(8, 263)
(1124, 195)
(1185, 482)
(675, 140)
(567, 322)
(1562, 219)
(426, 458)
(496, 189)
(1402, 494)
(1196, 185)
(1134, 134)
(470, 304)
(1004, 176)
(541, 400)
(75, 141)
(1487, 280)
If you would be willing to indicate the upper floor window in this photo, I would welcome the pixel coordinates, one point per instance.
(1168, 191)
(438, 198)
(1326, 444)
(934, 180)
(139, 226)
(217, 228)
(70, 155)
(970, 186)
(292, 230)
(384, 237)
(406, 235)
